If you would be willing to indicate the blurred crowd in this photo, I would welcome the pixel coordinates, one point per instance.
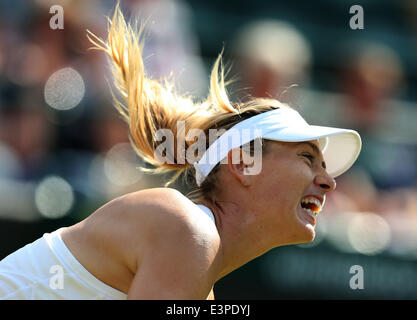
(64, 150)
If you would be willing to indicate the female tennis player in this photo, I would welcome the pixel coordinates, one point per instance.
(160, 244)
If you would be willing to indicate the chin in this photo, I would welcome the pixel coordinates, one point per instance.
(306, 234)
(306, 231)
(310, 233)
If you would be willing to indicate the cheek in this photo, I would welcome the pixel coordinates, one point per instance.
(284, 185)
(272, 189)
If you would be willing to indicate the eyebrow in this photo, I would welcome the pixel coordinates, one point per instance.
(316, 150)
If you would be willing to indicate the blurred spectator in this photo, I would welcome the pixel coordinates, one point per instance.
(271, 56)
(25, 129)
(372, 74)
(171, 48)
(372, 77)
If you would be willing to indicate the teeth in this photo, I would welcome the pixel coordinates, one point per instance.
(312, 200)
(310, 211)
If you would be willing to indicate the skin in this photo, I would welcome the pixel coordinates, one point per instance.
(257, 213)
(139, 243)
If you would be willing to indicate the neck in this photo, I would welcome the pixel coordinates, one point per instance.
(239, 243)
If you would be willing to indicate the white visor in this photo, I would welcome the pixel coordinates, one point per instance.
(340, 147)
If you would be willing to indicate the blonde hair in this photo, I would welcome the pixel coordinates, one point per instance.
(149, 105)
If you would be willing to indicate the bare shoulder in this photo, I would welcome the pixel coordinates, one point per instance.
(167, 209)
(150, 216)
(181, 255)
(138, 231)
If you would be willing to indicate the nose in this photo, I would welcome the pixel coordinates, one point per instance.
(325, 181)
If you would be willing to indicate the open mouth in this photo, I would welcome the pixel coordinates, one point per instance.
(311, 204)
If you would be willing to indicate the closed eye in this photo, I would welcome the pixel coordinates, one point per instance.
(309, 156)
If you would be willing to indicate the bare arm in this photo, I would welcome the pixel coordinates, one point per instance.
(179, 263)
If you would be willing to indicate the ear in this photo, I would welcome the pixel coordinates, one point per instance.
(237, 167)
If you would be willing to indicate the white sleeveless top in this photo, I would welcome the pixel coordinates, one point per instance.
(45, 269)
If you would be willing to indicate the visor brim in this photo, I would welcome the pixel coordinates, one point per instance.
(340, 147)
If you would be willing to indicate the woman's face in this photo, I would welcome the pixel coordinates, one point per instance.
(289, 191)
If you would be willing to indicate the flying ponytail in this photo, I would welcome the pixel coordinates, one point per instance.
(149, 105)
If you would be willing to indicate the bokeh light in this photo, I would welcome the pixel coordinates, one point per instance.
(9, 162)
(54, 197)
(64, 89)
(120, 165)
(116, 172)
(338, 231)
(369, 233)
(16, 200)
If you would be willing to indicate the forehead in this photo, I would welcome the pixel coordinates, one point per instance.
(314, 144)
